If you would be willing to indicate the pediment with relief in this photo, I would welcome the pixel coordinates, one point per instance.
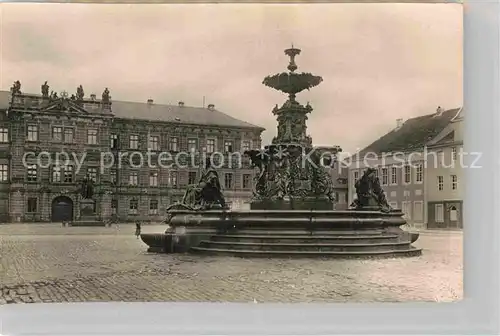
(64, 105)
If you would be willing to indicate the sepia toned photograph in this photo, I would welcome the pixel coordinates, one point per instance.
(249, 153)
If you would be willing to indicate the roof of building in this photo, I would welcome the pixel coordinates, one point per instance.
(164, 113)
(414, 133)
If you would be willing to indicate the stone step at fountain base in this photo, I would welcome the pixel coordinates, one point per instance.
(296, 231)
(308, 247)
(87, 223)
(410, 252)
(305, 239)
(297, 243)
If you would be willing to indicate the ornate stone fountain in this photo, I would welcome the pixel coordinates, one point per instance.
(292, 211)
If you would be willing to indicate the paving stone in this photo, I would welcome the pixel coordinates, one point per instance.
(54, 264)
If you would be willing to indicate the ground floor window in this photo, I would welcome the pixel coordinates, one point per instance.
(114, 207)
(133, 207)
(32, 204)
(406, 208)
(153, 207)
(439, 213)
(418, 211)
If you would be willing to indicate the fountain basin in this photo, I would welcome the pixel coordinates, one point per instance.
(285, 233)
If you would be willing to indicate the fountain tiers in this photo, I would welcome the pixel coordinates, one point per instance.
(292, 210)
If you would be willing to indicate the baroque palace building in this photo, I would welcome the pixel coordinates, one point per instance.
(94, 130)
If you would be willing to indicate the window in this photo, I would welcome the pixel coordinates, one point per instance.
(385, 176)
(192, 145)
(407, 174)
(32, 173)
(228, 180)
(173, 179)
(153, 207)
(376, 172)
(454, 182)
(173, 144)
(133, 178)
(439, 213)
(32, 204)
(191, 177)
(355, 176)
(440, 183)
(394, 175)
(32, 133)
(4, 134)
(210, 145)
(92, 174)
(245, 145)
(246, 181)
(393, 205)
(453, 214)
(92, 137)
(419, 173)
(57, 133)
(56, 174)
(440, 159)
(406, 209)
(418, 211)
(68, 174)
(133, 141)
(114, 206)
(228, 146)
(113, 141)
(153, 143)
(4, 172)
(113, 176)
(133, 207)
(153, 179)
(454, 153)
(69, 135)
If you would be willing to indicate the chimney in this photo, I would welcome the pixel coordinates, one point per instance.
(93, 97)
(211, 107)
(399, 123)
(439, 111)
(150, 101)
(181, 104)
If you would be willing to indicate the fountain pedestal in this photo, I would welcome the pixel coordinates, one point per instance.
(307, 203)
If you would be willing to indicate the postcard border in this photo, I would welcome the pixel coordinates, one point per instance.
(476, 314)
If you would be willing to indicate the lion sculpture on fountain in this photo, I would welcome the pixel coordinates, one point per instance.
(370, 195)
(204, 195)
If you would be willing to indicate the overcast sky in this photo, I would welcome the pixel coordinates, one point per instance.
(379, 62)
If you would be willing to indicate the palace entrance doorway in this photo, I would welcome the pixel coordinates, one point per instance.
(62, 209)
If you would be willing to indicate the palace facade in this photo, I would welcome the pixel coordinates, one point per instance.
(99, 137)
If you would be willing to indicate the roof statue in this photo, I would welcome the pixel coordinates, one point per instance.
(45, 90)
(106, 98)
(79, 93)
(16, 88)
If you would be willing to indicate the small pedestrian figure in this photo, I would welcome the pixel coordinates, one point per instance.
(137, 229)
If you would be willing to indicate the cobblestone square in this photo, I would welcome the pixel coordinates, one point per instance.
(49, 263)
